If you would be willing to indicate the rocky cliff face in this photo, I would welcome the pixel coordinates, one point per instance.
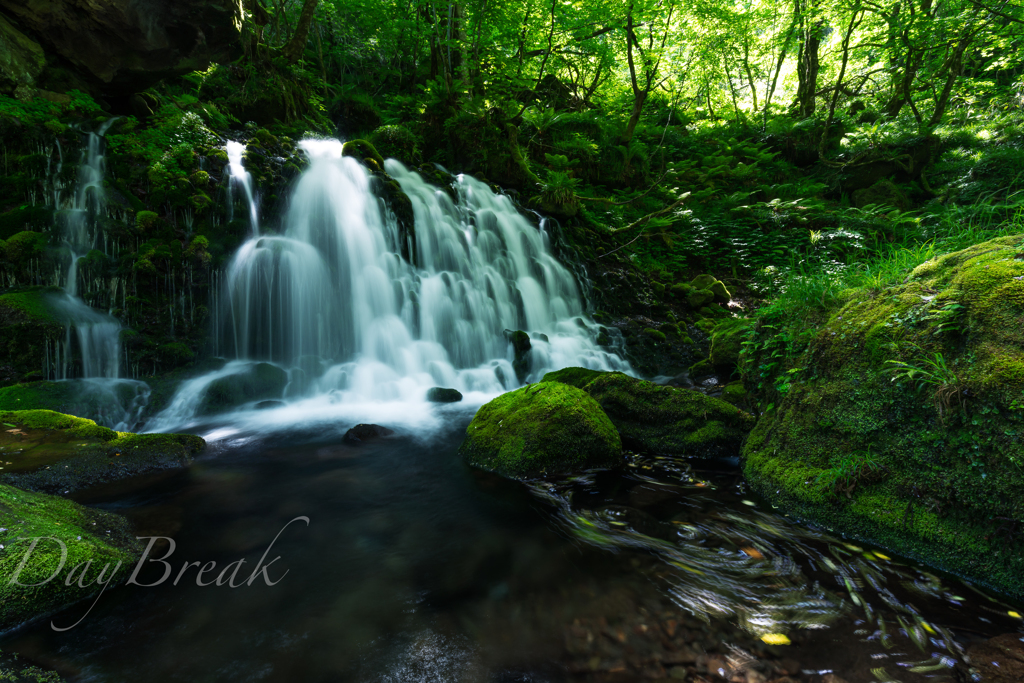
(120, 46)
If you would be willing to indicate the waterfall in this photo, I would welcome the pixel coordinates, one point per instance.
(92, 336)
(97, 334)
(332, 301)
(238, 176)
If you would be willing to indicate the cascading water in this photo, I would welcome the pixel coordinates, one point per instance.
(241, 178)
(93, 337)
(333, 302)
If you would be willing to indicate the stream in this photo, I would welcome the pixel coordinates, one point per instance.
(413, 567)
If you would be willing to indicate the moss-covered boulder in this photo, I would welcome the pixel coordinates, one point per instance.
(364, 151)
(659, 419)
(42, 450)
(257, 383)
(87, 535)
(900, 421)
(541, 429)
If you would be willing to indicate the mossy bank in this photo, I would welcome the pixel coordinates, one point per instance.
(899, 418)
(85, 535)
(46, 451)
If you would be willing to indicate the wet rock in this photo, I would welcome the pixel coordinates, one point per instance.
(259, 382)
(54, 453)
(114, 43)
(443, 395)
(832, 678)
(267, 405)
(366, 432)
(521, 346)
(544, 428)
(999, 660)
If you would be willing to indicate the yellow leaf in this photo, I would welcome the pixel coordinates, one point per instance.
(775, 638)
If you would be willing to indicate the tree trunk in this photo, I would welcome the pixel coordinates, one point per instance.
(808, 65)
(953, 66)
(297, 45)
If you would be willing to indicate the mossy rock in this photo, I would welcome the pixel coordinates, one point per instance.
(727, 339)
(575, 377)
(547, 428)
(88, 535)
(364, 151)
(259, 382)
(669, 421)
(656, 335)
(734, 393)
(52, 452)
(659, 419)
(699, 298)
(930, 467)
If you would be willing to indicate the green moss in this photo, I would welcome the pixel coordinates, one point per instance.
(364, 151)
(49, 451)
(699, 298)
(655, 334)
(727, 342)
(946, 443)
(395, 141)
(734, 392)
(545, 428)
(88, 535)
(576, 377)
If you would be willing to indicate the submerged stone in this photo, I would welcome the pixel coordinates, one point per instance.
(56, 453)
(443, 395)
(366, 432)
(541, 429)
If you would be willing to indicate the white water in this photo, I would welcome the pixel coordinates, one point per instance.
(92, 337)
(97, 334)
(361, 331)
(241, 178)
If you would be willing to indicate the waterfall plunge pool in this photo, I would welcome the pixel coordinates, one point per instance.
(416, 568)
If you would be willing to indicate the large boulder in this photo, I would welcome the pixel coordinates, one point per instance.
(259, 382)
(87, 535)
(663, 420)
(128, 46)
(900, 420)
(541, 429)
(56, 453)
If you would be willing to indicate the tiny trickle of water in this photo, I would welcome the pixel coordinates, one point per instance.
(97, 334)
(332, 301)
(239, 177)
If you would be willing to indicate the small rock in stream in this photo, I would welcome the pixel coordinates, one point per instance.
(365, 432)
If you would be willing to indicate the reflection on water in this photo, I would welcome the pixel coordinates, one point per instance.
(415, 568)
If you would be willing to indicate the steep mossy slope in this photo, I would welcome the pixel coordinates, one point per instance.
(902, 417)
